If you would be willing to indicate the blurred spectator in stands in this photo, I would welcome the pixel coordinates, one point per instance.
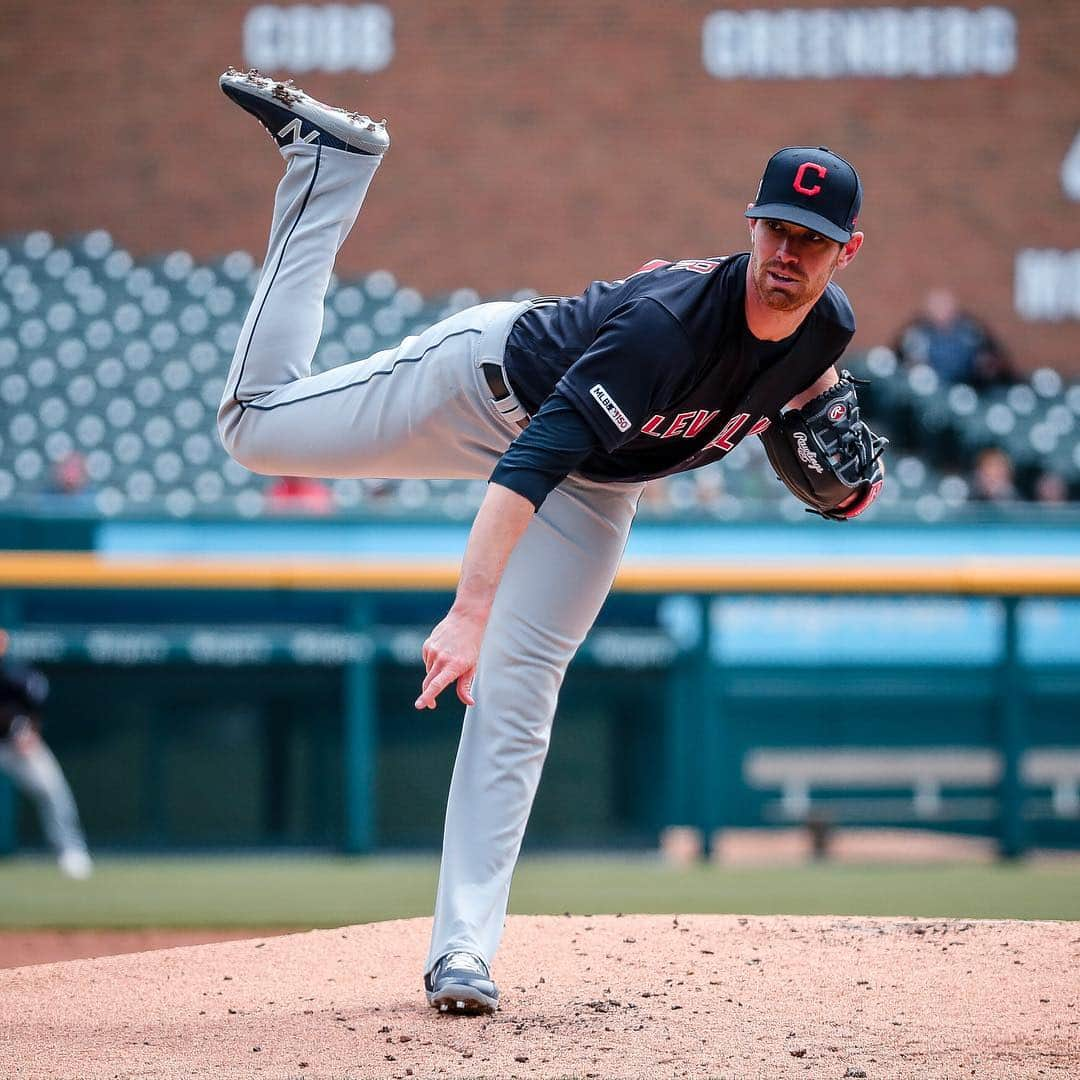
(32, 766)
(710, 487)
(994, 479)
(69, 476)
(1050, 487)
(69, 488)
(299, 495)
(956, 345)
(655, 498)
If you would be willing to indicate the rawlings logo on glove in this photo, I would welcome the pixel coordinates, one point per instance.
(825, 455)
(806, 455)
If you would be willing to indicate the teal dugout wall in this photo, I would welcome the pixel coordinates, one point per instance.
(975, 698)
(281, 714)
(177, 736)
(218, 719)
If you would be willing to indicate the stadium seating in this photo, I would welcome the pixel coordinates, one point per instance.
(1034, 422)
(122, 362)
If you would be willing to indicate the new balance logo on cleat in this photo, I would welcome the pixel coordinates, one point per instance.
(461, 983)
(295, 127)
(287, 112)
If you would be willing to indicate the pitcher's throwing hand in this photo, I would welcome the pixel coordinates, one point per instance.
(449, 656)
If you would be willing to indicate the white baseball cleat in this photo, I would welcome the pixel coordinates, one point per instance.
(291, 116)
(461, 983)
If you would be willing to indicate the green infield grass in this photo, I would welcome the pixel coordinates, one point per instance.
(319, 891)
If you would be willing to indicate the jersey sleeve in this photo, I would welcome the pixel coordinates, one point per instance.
(837, 309)
(546, 452)
(639, 354)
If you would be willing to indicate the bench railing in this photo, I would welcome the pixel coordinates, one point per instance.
(800, 772)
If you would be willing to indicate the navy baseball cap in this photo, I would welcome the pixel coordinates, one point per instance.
(813, 187)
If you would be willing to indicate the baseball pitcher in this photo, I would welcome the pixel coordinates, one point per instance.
(568, 405)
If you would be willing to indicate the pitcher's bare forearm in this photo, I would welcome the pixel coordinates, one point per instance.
(502, 518)
(819, 386)
(451, 651)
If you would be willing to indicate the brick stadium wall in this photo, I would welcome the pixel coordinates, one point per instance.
(545, 144)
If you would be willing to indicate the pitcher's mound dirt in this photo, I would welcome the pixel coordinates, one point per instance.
(19, 948)
(606, 997)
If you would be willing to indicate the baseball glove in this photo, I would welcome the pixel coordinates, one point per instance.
(825, 454)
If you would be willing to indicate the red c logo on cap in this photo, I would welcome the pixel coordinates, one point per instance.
(800, 187)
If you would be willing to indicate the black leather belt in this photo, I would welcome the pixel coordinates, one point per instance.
(496, 383)
(493, 376)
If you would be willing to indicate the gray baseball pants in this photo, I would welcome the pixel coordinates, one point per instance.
(423, 409)
(37, 772)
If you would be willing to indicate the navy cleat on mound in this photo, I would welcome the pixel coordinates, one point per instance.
(461, 983)
(291, 116)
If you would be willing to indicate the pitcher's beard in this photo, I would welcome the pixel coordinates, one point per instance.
(780, 299)
(799, 293)
(776, 298)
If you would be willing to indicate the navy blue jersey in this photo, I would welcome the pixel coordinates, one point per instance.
(22, 687)
(23, 692)
(663, 367)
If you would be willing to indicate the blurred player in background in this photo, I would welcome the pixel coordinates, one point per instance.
(25, 757)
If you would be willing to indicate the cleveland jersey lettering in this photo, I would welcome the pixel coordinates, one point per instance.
(688, 424)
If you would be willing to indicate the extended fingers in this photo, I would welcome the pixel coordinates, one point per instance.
(464, 688)
(438, 679)
(449, 655)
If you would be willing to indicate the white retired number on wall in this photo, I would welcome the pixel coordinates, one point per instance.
(319, 37)
(1046, 285)
(1070, 170)
(861, 42)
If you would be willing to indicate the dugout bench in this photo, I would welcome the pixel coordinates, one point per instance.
(823, 788)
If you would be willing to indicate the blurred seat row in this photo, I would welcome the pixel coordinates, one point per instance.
(111, 370)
